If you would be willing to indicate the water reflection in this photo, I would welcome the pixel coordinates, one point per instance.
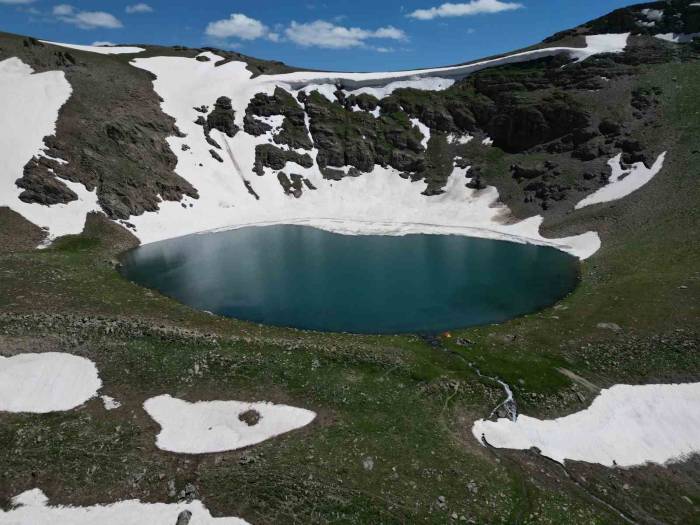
(308, 278)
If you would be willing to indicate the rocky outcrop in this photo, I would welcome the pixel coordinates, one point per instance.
(356, 138)
(293, 132)
(669, 16)
(294, 184)
(363, 101)
(270, 156)
(184, 518)
(255, 127)
(215, 155)
(41, 186)
(223, 118)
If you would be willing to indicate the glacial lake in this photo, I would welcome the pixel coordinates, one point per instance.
(303, 277)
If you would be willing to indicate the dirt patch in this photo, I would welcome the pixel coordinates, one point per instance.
(10, 345)
(250, 417)
(17, 233)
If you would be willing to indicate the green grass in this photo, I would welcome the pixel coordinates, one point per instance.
(76, 243)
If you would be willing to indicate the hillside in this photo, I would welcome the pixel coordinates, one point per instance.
(587, 142)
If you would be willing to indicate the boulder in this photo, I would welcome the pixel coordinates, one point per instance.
(223, 117)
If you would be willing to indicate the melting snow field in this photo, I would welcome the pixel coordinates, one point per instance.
(623, 181)
(50, 382)
(626, 425)
(32, 508)
(217, 426)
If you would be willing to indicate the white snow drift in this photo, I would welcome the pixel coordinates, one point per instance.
(32, 507)
(29, 105)
(215, 426)
(623, 181)
(626, 425)
(103, 50)
(48, 382)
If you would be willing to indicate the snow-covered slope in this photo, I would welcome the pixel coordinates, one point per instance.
(626, 425)
(352, 205)
(231, 196)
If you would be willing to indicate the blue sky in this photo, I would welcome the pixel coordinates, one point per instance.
(359, 35)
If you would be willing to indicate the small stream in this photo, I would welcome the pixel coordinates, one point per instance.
(508, 405)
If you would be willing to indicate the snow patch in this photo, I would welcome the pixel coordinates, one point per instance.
(623, 181)
(424, 130)
(110, 403)
(454, 138)
(217, 426)
(327, 90)
(626, 425)
(102, 50)
(32, 507)
(599, 44)
(678, 38)
(653, 15)
(48, 382)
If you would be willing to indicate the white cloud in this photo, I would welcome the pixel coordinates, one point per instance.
(138, 8)
(327, 35)
(86, 19)
(475, 7)
(103, 43)
(238, 26)
(314, 34)
(63, 10)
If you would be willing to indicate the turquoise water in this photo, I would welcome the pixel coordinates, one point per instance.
(306, 278)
